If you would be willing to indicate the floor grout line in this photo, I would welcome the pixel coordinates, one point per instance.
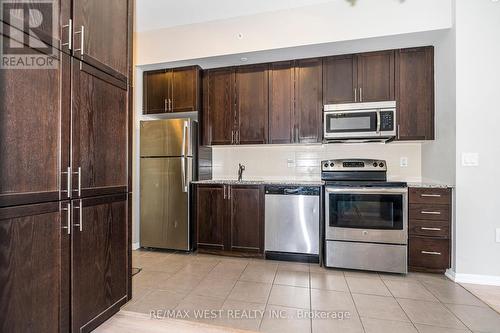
(400, 306)
(353, 302)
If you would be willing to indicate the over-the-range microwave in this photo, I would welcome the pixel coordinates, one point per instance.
(359, 121)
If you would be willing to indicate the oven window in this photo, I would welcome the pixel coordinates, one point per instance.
(366, 211)
(354, 122)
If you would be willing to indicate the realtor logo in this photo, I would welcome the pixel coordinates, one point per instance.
(25, 19)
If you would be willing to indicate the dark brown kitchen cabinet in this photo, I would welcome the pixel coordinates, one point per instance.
(415, 93)
(252, 92)
(210, 215)
(230, 219)
(281, 102)
(99, 133)
(308, 101)
(35, 276)
(172, 90)
(219, 109)
(99, 260)
(340, 79)
(101, 34)
(364, 77)
(34, 132)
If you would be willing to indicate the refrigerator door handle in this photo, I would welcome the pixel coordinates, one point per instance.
(184, 132)
(183, 174)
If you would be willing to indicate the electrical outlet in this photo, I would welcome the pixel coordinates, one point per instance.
(470, 159)
(498, 235)
(403, 162)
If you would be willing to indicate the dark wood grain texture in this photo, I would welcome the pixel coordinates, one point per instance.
(156, 90)
(100, 132)
(430, 212)
(34, 270)
(99, 259)
(376, 76)
(340, 79)
(252, 98)
(210, 216)
(430, 228)
(415, 93)
(437, 196)
(429, 254)
(281, 102)
(186, 89)
(106, 34)
(309, 98)
(34, 124)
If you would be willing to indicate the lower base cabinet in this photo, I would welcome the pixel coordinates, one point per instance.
(230, 219)
(51, 276)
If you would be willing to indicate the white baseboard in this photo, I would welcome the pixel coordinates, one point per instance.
(135, 246)
(490, 280)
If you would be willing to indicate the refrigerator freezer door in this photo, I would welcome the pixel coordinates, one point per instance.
(166, 138)
(165, 203)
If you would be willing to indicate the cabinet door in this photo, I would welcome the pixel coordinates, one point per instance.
(156, 91)
(415, 94)
(185, 89)
(34, 283)
(220, 113)
(340, 80)
(103, 25)
(99, 260)
(99, 132)
(34, 139)
(252, 86)
(281, 102)
(210, 216)
(247, 218)
(376, 76)
(308, 107)
(48, 20)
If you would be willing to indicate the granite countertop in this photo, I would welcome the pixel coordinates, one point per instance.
(430, 185)
(261, 182)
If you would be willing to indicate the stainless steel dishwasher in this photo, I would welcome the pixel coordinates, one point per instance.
(292, 222)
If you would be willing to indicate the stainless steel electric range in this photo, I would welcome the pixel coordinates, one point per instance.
(366, 217)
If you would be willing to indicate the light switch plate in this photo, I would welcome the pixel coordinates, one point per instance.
(403, 162)
(470, 159)
(498, 235)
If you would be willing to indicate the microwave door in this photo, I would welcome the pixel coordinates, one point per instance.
(358, 124)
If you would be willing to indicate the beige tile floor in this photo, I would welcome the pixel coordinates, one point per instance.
(270, 296)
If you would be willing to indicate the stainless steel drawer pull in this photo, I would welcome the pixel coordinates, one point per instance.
(432, 253)
(79, 173)
(430, 213)
(69, 26)
(80, 215)
(431, 195)
(68, 218)
(68, 181)
(82, 41)
(431, 229)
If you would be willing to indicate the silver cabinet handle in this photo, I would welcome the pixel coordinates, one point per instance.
(431, 229)
(361, 94)
(69, 26)
(238, 137)
(224, 186)
(430, 213)
(170, 104)
(79, 173)
(355, 94)
(398, 132)
(80, 216)
(431, 195)
(68, 181)
(68, 218)
(229, 190)
(232, 137)
(432, 253)
(166, 105)
(82, 41)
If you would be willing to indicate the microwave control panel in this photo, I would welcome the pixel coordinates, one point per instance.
(387, 120)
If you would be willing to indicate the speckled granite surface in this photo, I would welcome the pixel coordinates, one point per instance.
(430, 185)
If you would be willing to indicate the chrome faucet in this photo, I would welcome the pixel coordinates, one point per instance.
(241, 168)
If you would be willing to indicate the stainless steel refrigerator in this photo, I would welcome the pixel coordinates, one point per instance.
(168, 164)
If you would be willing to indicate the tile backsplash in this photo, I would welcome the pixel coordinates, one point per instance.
(302, 162)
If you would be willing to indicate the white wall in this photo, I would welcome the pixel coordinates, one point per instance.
(321, 23)
(478, 118)
(302, 162)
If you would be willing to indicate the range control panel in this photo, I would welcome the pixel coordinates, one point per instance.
(353, 165)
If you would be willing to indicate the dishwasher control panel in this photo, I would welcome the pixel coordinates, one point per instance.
(292, 190)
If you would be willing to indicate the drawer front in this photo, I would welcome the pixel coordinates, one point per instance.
(429, 228)
(437, 196)
(429, 212)
(429, 253)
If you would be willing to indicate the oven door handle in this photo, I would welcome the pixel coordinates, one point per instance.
(367, 190)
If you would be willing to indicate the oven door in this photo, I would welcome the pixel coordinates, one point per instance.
(377, 215)
(351, 124)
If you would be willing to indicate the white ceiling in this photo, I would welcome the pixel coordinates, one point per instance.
(157, 14)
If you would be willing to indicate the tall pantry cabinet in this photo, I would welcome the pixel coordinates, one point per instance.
(65, 180)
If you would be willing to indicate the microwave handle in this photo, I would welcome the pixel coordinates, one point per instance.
(378, 121)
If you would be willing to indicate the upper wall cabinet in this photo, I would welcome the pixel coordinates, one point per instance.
(282, 102)
(172, 90)
(365, 77)
(415, 93)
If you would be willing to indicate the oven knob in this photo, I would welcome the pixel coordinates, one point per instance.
(375, 164)
(326, 165)
(365, 232)
(332, 165)
(381, 165)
